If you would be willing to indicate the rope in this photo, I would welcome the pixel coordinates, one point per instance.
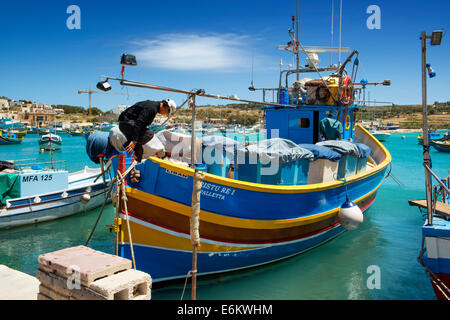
(120, 188)
(101, 212)
(195, 219)
(185, 283)
(125, 200)
(194, 226)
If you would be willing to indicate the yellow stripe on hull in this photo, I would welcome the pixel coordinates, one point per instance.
(143, 234)
(236, 222)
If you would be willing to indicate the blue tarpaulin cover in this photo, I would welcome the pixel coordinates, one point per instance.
(364, 150)
(283, 149)
(345, 148)
(97, 143)
(321, 152)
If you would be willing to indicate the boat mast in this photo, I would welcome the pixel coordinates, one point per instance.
(436, 38)
(332, 25)
(297, 45)
(426, 147)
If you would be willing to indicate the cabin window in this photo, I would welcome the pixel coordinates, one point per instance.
(304, 123)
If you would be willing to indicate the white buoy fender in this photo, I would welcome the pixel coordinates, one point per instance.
(350, 215)
(85, 198)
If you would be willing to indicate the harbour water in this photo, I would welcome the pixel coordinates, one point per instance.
(387, 243)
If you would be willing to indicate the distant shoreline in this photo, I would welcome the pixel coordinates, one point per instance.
(408, 130)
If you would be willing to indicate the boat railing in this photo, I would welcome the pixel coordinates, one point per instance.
(23, 164)
(440, 189)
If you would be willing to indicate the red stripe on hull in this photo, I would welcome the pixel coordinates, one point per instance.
(445, 278)
(364, 208)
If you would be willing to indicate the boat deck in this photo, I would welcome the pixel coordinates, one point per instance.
(441, 208)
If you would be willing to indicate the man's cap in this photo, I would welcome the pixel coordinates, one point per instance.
(172, 105)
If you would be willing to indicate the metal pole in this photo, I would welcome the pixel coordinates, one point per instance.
(194, 247)
(90, 101)
(297, 47)
(426, 147)
(331, 42)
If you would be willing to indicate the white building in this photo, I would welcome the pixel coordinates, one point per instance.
(4, 104)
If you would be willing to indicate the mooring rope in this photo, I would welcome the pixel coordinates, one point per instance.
(125, 200)
(119, 179)
(185, 283)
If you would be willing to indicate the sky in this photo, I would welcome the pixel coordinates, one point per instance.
(217, 45)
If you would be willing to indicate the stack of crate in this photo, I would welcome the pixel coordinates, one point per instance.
(81, 273)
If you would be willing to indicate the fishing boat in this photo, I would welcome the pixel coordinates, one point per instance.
(435, 252)
(391, 126)
(10, 138)
(50, 142)
(44, 131)
(434, 136)
(76, 133)
(32, 130)
(441, 145)
(19, 133)
(314, 176)
(37, 191)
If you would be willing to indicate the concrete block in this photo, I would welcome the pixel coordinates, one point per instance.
(16, 285)
(41, 296)
(91, 264)
(61, 286)
(127, 285)
(52, 294)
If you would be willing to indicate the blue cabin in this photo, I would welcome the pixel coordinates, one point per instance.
(302, 124)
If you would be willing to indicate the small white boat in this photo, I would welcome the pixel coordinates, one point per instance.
(50, 142)
(380, 135)
(41, 194)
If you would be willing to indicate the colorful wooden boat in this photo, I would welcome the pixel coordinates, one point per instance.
(19, 133)
(434, 136)
(76, 133)
(441, 146)
(10, 138)
(249, 218)
(242, 224)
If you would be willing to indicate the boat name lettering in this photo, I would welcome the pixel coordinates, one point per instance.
(176, 173)
(34, 178)
(216, 191)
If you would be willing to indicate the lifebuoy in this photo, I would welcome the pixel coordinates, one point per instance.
(346, 94)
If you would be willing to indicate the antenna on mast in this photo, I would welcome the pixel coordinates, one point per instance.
(332, 27)
(297, 45)
(340, 31)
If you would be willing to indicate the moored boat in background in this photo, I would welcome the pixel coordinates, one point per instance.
(50, 142)
(441, 145)
(380, 135)
(38, 191)
(434, 136)
(10, 138)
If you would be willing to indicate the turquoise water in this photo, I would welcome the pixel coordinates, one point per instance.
(389, 238)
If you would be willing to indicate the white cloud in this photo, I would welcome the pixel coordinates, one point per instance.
(185, 52)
